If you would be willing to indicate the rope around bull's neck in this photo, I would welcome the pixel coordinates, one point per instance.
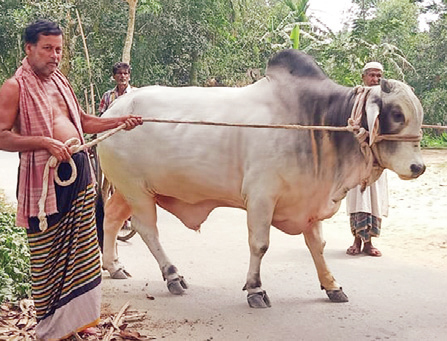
(361, 133)
(354, 126)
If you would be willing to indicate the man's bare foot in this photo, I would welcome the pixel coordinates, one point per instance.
(353, 250)
(371, 250)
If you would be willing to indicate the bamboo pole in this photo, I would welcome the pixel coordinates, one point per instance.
(86, 101)
(428, 126)
(87, 57)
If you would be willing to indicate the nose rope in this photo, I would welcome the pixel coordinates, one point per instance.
(361, 134)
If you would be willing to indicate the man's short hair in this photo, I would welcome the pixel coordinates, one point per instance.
(41, 27)
(372, 65)
(120, 66)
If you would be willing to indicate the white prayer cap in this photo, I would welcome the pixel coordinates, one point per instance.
(373, 65)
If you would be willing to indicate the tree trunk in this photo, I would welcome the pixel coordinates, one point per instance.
(193, 70)
(130, 30)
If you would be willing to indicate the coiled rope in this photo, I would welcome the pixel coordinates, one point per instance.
(75, 146)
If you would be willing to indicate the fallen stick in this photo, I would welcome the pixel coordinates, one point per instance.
(116, 322)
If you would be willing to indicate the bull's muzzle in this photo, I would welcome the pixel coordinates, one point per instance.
(417, 169)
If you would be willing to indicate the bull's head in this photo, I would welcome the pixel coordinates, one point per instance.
(395, 117)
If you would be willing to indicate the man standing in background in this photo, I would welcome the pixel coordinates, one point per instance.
(115, 207)
(367, 208)
(121, 75)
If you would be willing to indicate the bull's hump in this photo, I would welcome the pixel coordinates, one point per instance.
(294, 63)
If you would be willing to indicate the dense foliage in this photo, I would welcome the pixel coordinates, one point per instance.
(14, 257)
(190, 42)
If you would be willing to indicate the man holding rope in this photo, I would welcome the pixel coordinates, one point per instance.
(367, 207)
(38, 114)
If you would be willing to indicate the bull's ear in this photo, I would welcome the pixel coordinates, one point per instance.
(372, 109)
(385, 85)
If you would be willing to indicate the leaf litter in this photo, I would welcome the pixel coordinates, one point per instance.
(18, 322)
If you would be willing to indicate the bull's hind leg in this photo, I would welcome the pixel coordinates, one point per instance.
(144, 220)
(314, 241)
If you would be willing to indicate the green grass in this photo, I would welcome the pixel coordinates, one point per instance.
(15, 277)
(434, 141)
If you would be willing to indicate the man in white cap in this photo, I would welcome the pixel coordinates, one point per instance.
(372, 73)
(367, 208)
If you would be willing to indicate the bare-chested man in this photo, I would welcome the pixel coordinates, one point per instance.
(38, 114)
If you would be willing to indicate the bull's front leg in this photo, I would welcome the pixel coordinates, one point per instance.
(144, 221)
(315, 242)
(116, 211)
(259, 218)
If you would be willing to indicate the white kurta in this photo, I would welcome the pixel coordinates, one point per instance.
(373, 200)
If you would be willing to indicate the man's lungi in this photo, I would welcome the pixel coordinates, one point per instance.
(367, 208)
(65, 259)
(365, 225)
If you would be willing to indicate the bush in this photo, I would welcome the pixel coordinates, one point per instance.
(434, 140)
(15, 276)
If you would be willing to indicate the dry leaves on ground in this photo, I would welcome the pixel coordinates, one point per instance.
(18, 322)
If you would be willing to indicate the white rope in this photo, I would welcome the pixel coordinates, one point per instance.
(75, 147)
(244, 125)
(353, 127)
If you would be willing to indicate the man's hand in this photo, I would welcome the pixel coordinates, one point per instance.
(131, 121)
(58, 149)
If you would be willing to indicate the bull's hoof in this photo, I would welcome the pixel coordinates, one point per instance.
(177, 285)
(337, 296)
(259, 300)
(120, 274)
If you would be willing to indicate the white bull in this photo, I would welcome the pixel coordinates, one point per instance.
(289, 179)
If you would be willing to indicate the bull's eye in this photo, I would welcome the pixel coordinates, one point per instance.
(398, 117)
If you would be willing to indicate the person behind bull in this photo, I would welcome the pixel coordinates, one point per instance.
(38, 114)
(116, 211)
(367, 208)
(121, 75)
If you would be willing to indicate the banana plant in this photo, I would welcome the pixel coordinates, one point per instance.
(292, 27)
(298, 9)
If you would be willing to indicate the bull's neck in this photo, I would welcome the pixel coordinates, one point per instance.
(352, 164)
